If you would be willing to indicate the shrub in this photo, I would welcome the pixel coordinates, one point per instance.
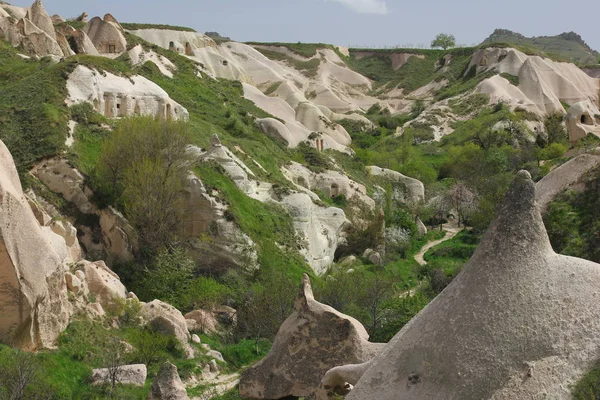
(142, 166)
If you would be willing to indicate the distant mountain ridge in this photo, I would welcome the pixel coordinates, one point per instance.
(567, 45)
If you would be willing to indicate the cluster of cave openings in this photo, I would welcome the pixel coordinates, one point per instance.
(320, 144)
(334, 191)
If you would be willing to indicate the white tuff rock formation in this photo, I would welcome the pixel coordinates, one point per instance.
(33, 294)
(312, 340)
(519, 322)
(115, 96)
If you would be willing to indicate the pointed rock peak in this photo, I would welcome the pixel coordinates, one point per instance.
(305, 296)
(518, 230)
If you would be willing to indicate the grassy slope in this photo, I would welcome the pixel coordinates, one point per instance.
(554, 46)
(136, 26)
(33, 117)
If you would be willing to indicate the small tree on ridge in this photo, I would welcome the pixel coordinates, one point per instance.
(444, 40)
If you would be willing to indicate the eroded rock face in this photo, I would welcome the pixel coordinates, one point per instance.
(312, 340)
(167, 385)
(406, 190)
(166, 319)
(570, 175)
(134, 375)
(103, 283)
(519, 322)
(583, 118)
(115, 96)
(33, 294)
(106, 35)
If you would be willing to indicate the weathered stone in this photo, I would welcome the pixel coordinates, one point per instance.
(125, 375)
(519, 321)
(33, 293)
(312, 340)
(103, 283)
(205, 320)
(165, 318)
(196, 339)
(167, 385)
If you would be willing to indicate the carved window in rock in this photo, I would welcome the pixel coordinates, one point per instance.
(188, 49)
(120, 107)
(112, 48)
(225, 63)
(320, 144)
(172, 46)
(168, 111)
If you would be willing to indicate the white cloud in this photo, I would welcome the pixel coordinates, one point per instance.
(365, 6)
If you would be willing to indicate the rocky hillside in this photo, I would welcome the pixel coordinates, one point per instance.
(180, 185)
(568, 45)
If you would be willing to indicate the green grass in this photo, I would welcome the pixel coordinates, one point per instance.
(273, 88)
(307, 50)
(564, 47)
(33, 116)
(450, 256)
(269, 225)
(469, 104)
(513, 79)
(588, 387)
(135, 26)
(309, 68)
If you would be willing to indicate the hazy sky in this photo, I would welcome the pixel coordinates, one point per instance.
(351, 22)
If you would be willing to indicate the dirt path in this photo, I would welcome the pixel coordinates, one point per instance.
(451, 230)
(218, 386)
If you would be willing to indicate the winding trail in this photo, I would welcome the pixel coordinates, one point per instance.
(451, 230)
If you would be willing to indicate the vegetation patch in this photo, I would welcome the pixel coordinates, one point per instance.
(136, 26)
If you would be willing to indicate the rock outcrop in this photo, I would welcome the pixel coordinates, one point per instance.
(117, 242)
(228, 246)
(312, 340)
(106, 35)
(406, 190)
(166, 319)
(543, 83)
(167, 385)
(115, 96)
(569, 175)
(583, 118)
(319, 229)
(519, 322)
(134, 375)
(33, 294)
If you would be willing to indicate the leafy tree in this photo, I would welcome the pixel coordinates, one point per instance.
(142, 167)
(444, 40)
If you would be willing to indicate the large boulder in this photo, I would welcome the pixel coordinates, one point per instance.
(166, 319)
(167, 385)
(103, 283)
(519, 321)
(134, 375)
(34, 308)
(406, 190)
(312, 340)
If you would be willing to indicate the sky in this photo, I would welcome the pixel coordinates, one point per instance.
(355, 23)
